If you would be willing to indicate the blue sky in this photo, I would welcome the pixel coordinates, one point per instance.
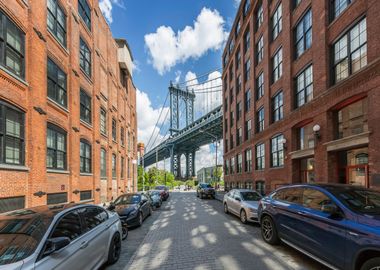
(171, 40)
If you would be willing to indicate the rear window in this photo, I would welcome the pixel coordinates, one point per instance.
(205, 186)
(250, 196)
(19, 237)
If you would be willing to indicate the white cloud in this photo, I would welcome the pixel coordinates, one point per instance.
(208, 94)
(205, 156)
(237, 3)
(167, 48)
(147, 117)
(106, 7)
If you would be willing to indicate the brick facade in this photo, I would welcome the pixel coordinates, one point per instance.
(323, 109)
(105, 88)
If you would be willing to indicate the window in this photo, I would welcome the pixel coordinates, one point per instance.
(314, 199)
(85, 12)
(247, 100)
(93, 216)
(56, 21)
(247, 69)
(57, 83)
(122, 136)
(12, 203)
(56, 148)
(225, 60)
(259, 16)
(231, 141)
(353, 119)
(248, 160)
(239, 163)
(231, 95)
(103, 121)
(247, 41)
(56, 198)
(231, 46)
(238, 27)
(12, 145)
(260, 120)
(277, 151)
(226, 145)
(129, 141)
(277, 22)
(260, 50)
(239, 136)
(296, 3)
(303, 34)
(307, 170)
(225, 125)
(232, 168)
(12, 46)
(291, 195)
(226, 167)
(85, 58)
(260, 86)
(113, 166)
(350, 52)
(338, 6)
(85, 107)
(260, 156)
(231, 72)
(103, 163)
(69, 226)
(238, 111)
(304, 87)
(85, 156)
(238, 84)
(247, 6)
(277, 65)
(260, 187)
(238, 59)
(122, 168)
(114, 129)
(248, 129)
(278, 107)
(306, 137)
(85, 195)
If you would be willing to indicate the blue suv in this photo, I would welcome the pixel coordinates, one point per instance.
(337, 225)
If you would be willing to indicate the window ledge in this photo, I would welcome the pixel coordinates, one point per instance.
(87, 125)
(9, 167)
(348, 142)
(88, 77)
(63, 47)
(57, 171)
(86, 174)
(56, 104)
(104, 178)
(302, 153)
(14, 76)
(87, 201)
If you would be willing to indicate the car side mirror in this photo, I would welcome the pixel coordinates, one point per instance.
(238, 199)
(55, 244)
(112, 206)
(143, 201)
(331, 209)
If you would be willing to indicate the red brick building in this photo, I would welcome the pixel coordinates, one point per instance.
(67, 105)
(302, 94)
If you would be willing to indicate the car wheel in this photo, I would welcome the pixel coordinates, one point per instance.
(197, 194)
(125, 232)
(226, 208)
(150, 211)
(243, 216)
(141, 219)
(268, 231)
(372, 264)
(114, 250)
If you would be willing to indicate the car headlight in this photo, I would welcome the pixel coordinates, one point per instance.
(253, 210)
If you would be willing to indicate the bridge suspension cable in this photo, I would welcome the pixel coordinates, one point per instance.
(200, 76)
(158, 133)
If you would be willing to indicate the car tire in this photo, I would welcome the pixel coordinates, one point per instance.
(226, 208)
(371, 264)
(197, 194)
(243, 216)
(125, 232)
(114, 249)
(150, 211)
(269, 231)
(141, 219)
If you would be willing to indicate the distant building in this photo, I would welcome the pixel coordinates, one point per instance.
(140, 152)
(206, 175)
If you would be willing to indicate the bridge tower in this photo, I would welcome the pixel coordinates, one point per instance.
(176, 96)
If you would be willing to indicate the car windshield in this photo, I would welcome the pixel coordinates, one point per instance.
(206, 186)
(19, 237)
(363, 201)
(128, 199)
(154, 193)
(250, 196)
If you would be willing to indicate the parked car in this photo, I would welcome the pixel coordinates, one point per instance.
(132, 208)
(205, 190)
(243, 203)
(155, 196)
(337, 225)
(164, 190)
(69, 236)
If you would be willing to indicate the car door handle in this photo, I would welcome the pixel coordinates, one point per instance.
(302, 213)
(353, 234)
(84, 245)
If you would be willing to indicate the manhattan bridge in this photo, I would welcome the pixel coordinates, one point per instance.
(195, 119)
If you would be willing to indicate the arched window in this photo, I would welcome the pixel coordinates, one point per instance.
(56, 148)
(103, 163)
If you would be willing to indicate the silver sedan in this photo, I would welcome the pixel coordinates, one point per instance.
(243, 203)
(66, 236)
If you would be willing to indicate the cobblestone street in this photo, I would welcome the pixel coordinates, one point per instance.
(190, 233)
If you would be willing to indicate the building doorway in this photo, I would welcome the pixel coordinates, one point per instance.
(353, 167)
(307, 174)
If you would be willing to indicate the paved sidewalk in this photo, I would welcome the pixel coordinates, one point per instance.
(190, 233)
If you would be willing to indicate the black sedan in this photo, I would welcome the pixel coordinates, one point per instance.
(205, 190)
(132, 208)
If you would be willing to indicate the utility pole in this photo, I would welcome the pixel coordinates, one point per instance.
(143, 173)
(156, 163)
(216, 160)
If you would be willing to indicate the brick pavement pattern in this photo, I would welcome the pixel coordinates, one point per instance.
(191, 233)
